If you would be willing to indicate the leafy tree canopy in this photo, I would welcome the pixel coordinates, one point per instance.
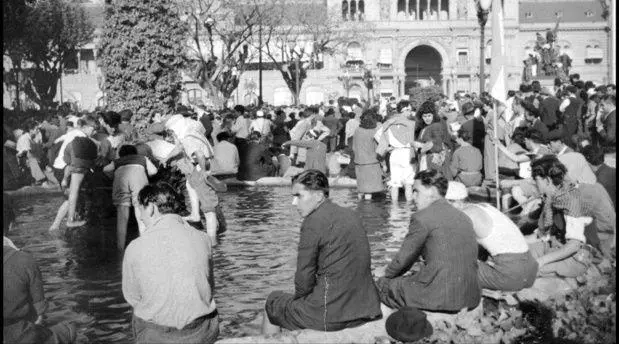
(142, 55)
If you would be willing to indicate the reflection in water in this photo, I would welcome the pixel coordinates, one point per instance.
(255, 256)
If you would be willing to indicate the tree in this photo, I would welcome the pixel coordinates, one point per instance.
(143, 54)
(297, 35)
(53, 30)
(220, 33)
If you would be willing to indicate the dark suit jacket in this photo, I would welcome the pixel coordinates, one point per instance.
(477, 129)
(445, 238)
(570, 118)
(255, 163)
(608, 135)
(549, 108)
(607, 176)
(333, 268)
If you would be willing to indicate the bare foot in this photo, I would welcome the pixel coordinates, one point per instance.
(72, 224)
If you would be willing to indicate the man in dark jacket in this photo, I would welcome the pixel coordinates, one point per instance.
(607, 126)
(549, 107)
(334, 288)
(571, 113)
(256, 160)
(444, 236)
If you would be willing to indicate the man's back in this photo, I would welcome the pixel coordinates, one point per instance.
(332, 123)
(597, 200)
(549, 107)
(445, 237)
(334, 238)
(167, 273)
(226, 157)
(578, 170)
(607, 176)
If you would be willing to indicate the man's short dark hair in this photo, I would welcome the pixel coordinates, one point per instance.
(535, 136)
(254, 136)
(402, 104)
(28, 125)
(163, 195)
(127, 150)
(433, 178)
(525, 88)
(549, 166)
(313, 180)
(531, 109)
(465, 135)
(111, 118)
(593, 155)
(223, 136)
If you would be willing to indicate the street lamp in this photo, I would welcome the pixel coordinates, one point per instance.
(483, 8)
(208, 24)
(260, 66)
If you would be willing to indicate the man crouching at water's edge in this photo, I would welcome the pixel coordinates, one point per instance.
(334, 289)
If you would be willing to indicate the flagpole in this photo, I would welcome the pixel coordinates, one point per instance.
(496, 153)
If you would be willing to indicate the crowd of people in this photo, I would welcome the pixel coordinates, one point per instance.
(556, 152)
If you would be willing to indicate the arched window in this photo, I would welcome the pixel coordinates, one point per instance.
(344, 9)
(353, 52)
(353, 9)
(361, 7)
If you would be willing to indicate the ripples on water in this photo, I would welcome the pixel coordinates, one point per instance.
(256, 255)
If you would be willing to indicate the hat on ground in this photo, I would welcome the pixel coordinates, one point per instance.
(545, 91)
(259, 113)
(408, 324)
(468, 108)
(456, 191)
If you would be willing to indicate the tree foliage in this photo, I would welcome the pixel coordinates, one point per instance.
(220, 32)
(142, 51)
(300, 33)
(44, 33)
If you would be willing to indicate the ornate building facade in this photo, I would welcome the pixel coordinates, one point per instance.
(438, 41)
(412, 42)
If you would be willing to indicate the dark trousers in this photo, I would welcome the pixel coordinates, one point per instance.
(203, 330)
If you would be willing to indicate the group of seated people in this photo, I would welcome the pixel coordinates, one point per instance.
(438, 267)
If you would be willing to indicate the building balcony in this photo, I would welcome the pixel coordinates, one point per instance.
(353, 67)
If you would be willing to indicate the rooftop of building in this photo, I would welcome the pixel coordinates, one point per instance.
(535, 12)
